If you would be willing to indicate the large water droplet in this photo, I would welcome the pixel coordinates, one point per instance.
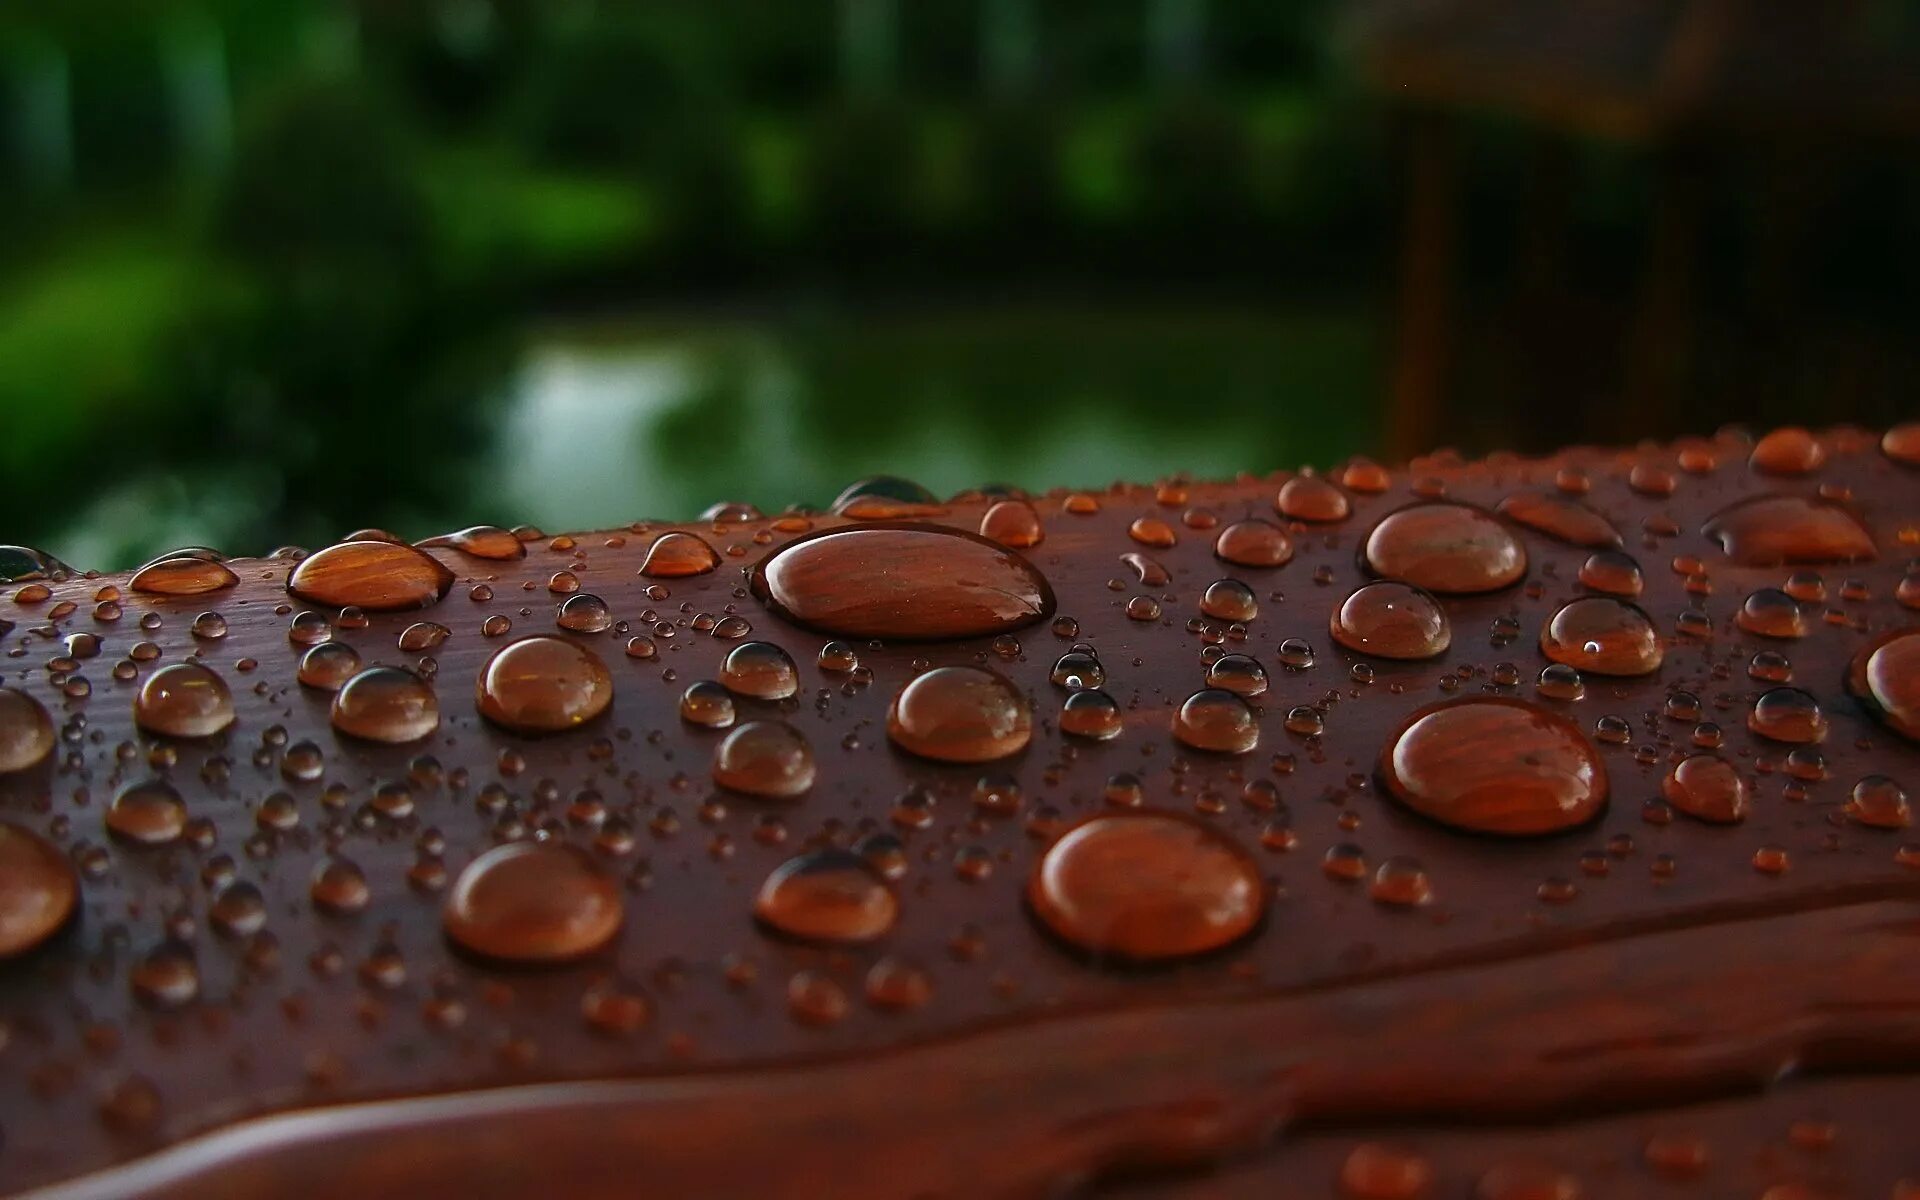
(902, 582)
(1602, 636)
(481, 541)
(1495, 765)
(1216, 720)
(1769, 531)
(1012, 523)
(760, 670)
(1790, 450)
(22, 564)
(1447, 548)
(376, 576)
(764, 758)
(960, 714)
(26, 731)
(1707, 786)
(543, 684)
(1885, 676)
(534, 903)
(1143, 886)
(183, 575)
(38, 889)
(1391, 620)
(386, 704)
(184, 700)
(1561, 519)
(828, 895)
(676, 555)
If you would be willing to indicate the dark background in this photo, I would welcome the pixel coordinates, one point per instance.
(273, 271)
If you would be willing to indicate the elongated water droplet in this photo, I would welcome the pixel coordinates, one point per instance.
(912, 582)
(677, 555)
(1789, 450)
(1143, 886)
(1495, 765)
(1446, 548)
(534, 903)
(39, 889)
(480, 541)
(1392, 620)
(543, 684)
(960, 714)
(184, 700)
(1770, 531)
(376, 576)
(830, 896)
(386, 704)
(1603, 636)
(1562, 519)
(183, 575)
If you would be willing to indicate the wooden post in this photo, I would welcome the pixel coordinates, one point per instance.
(1426, 280)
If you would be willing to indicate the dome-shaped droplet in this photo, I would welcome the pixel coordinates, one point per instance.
(1392, 620)
(1495, 765)
(481, 541)
(1612, 572)
(166, 976)
(239, 910)
(1253, 543)
(26, 731)
(912, 582)
(21, 564)
(960, 714)
(1785, 714)
(543, 684)
(677, 555)
(1885, 676)
(882, 497)
(376, 576)
(1091, 714)
(386, 704)
(1142, 886)
(184, 700)
(533, 903)
(1446, 548)
(828, 895)
(760, 670)
(1902, 444)
(764, 758)
(1240, 674)
(1558, 681)
(1562, 519)
(1078, 669)
(1707, 786)
(708, 704)
(38, 889)
(1790, 450)
(338, 886)
(1216, 720)
(1770, 531)
(328, 666)
(584, 612)
(1772, 613)
(1377, 1171)
(1311, 498)
(150, 813)
(1880, 803)
(1012, 523)
(1602, 636)
(1229, 600)
(183, 575)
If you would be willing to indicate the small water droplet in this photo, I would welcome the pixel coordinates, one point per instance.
(1012, 523)
(764, 758)
(1706, 786)
(543, 684)
(184, 700)
(26, 731)
(831, 896)
(149, 813)
(960, 714)
(678, 555)
(386, 704)
(760, 670)
(1253, 543)
(1240, 674)
(1216, 720)
(533, 903)
(1091, 714)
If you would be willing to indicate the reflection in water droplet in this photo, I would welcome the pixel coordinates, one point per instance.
(38, 889)
(1446, 548)
(26, 731)
(532, 903)
(1495, 765)
(1391, 620)
(376, 576)
(1602, 636)
(913, 582)
(1143, 886)
(830, 895)
(764, 758)
(543, 684)
(386, 704)
(1707, 786)
(1216, 720)
(184, 700)
(960, 714)
(1078, 669)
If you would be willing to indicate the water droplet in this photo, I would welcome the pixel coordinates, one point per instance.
(1152, 531)
(1495, 765)
(1143, 886)
(909, 582)
(238, 910)
(1379, 1172)
(166, 976)
(533, 903)
(1769, 531)
(1240, 674)
(1253, 543)
(1707, 786)
(19, 564)
(1526, 1181)
(1879, 802)
(481, 541)
(1216, 720)
(1446, 548)
(837, 658)
(827, 896)
(815, 999)
(386, 704)
(1561, 519)
(150, 813)
(1401, 883)
(1311, 498)
(26, 731)
(1772, 613)
(338, 886)
(677, 555)
(1091, 714)
(1902, 444)
(764, 758)
(897, 986)
(1143, 608)
(960, 714)
(1788, 715)
(880, 497)
(543, 684)
(1602, 636)
(328, 666)
(584, 612)
(1790, 450)
(1885, 677)
(377, 576)
(184, 700)
(1392, 620)
(1230, 600)
(708, 704)
(1012, 523)
(38, 889)
(183, 575)
(1558, 681)
(760, 670)
(1078, 669)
